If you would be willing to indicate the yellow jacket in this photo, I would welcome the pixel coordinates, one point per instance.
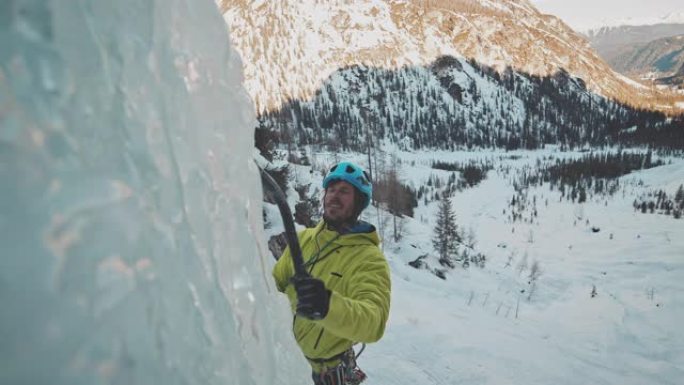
(355, 271)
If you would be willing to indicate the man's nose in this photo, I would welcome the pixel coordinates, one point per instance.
(331, 194)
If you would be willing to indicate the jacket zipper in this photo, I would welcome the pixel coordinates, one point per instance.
(319, 338)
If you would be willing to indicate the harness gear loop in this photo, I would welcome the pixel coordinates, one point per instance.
(346, 372)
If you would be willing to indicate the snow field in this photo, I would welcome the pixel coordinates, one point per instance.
(465, 329)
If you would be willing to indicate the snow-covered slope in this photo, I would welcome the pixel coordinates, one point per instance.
(482, 326)
(290, 47)
(130, 210)
(627, 334)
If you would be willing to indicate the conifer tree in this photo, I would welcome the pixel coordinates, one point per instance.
(446, 236)
(679, 195)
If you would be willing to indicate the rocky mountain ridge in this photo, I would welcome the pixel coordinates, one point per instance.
(644, 51)
(290, 47)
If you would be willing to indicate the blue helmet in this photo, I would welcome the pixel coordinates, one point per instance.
(354, 175)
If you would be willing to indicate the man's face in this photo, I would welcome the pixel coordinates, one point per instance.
(338, 202)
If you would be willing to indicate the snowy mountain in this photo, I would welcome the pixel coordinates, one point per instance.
(641, 50)
(615, 24)
(656, 58)
(604, 38)
(290, 48)
(457, 104)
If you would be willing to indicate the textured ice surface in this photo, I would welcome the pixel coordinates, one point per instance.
(129, 203)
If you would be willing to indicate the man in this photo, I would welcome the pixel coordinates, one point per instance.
(347, 298)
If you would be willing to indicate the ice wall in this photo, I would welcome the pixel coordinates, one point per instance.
(129, 205)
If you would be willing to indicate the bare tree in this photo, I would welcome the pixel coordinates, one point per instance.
(471, 239)
(522, 266)
(510, 259)
(535, 272)
(395, 197)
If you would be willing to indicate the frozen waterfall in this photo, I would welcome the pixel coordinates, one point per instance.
(130, 208)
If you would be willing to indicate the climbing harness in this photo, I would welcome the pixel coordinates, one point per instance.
(346, 372)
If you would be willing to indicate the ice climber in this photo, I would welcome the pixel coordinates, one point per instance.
(346, 299)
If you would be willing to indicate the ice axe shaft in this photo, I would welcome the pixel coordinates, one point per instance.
(290, 233)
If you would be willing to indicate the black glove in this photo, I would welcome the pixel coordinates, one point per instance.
(313, 299)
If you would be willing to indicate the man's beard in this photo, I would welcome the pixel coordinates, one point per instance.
(339, 222)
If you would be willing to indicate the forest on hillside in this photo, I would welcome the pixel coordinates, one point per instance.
(455, 104)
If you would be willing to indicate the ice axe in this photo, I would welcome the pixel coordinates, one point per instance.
(274, 191)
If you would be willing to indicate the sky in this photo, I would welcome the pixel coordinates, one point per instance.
(585, 14)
